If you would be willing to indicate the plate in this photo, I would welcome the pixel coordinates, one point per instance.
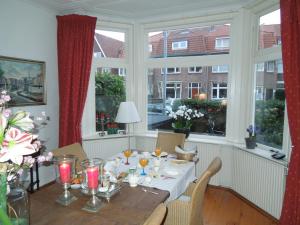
(75, 186)
(171, 172)
(179, 161)
(163, 154)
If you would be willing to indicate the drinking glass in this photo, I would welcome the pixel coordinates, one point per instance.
(157, 151)
(143, 163)
(64, 170)
(127, 153)
(92, 167)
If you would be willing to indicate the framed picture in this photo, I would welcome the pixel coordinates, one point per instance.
(24, 80)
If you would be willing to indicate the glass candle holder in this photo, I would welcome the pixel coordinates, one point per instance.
(92, 171)
(64, 167)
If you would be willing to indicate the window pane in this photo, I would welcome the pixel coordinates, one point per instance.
(269, 108)
(109, 44)
(197, 91)
(110, 92)
(269, 30)
(192, 41)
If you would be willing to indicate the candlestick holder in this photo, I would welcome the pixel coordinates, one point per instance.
(64, 167)
(91, 169)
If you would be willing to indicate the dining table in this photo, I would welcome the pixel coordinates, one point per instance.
(130, 206)
(173, 176)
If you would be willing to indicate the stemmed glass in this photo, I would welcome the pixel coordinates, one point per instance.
(157, 151)
(92, 167)
(64, 168)
(143, 163)
(127, 153)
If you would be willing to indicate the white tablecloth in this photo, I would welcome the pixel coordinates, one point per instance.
(176, 185)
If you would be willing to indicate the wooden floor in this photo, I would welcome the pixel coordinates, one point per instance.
(222, 207)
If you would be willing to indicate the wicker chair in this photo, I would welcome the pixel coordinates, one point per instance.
(157, 216)
(73, 149)
(188, 210)
(167, 141)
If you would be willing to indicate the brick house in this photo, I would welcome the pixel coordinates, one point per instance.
(189, 82)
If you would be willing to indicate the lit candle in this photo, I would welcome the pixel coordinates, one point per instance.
(65, 172)
(93, 174)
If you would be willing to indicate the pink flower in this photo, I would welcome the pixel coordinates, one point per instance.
(15, 145)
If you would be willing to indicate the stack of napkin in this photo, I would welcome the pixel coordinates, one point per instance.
(191, 150)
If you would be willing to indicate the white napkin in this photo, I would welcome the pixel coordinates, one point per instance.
(185, 151)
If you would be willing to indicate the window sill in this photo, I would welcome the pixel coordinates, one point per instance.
(263, 154)
(110, 136)
(197, 139)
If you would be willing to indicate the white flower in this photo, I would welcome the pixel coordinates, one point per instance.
(22, 120)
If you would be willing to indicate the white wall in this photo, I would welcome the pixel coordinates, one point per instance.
(28, 31)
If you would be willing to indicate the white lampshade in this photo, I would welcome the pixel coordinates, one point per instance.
(127, 113)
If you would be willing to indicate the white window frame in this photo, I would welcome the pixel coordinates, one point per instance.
(177, 84)
(150, 47)
(264, 55)
(270, 66)
(122, 72)
(218, 88)
(219, 69)
(179, 45)
(194, 70)
(190, 88)
(220, 43)
(88, 122)
(177, 70)
(260, 67)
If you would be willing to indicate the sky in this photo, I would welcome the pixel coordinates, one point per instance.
(271, 18)
(113, 34)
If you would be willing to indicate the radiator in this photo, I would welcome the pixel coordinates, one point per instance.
(259, 180)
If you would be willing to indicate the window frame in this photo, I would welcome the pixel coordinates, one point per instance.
(180, 47)
(222, 46)
(190, 88)
(88, 124)
(218, 70)
(195, 69)
(177, 70)
(218, 88)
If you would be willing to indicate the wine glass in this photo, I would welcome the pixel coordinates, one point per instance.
(64, 168)
(143, 162)
(157, 151)
(127, 153)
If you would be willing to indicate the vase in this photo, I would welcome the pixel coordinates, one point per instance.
(250, 143)
(185, 131)
(17, 203)
(3, 186)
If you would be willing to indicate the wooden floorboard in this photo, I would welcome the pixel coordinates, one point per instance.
(222, 207)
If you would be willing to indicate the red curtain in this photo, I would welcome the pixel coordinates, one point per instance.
(75, 40)
(290, 32)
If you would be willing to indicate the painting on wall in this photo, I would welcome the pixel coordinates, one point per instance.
(24, 80)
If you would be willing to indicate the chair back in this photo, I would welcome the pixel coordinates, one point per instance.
(197, 197)
(73, 149)
(168, 141)
(157, 216)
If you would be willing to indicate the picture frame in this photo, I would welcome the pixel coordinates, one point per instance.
(24, 81)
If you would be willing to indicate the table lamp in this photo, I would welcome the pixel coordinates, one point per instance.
(127, 114)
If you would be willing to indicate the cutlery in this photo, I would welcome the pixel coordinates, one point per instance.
(145, 190)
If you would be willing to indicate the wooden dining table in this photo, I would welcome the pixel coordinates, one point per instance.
(131, 206)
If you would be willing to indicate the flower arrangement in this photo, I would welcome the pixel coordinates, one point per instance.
(251, 140)
(183, 117)
(17, 144)
(251, 131)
